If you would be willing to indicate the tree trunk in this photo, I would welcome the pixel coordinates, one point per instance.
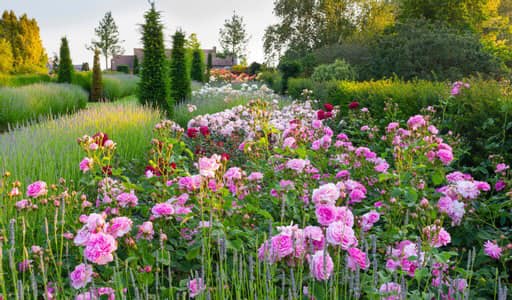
(106, 62)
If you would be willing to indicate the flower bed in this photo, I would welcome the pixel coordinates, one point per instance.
(265, 202)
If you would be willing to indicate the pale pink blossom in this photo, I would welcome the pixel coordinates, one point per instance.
(81, 276)
(100, 247)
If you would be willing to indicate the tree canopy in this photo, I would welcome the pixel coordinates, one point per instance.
(108, 40)
(22, 36)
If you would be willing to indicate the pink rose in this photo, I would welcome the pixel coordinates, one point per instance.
(281, 245)
(162, 210)
(297, 165)
(37, 189)
(99, 248)
(369, 219)
(325, 214)
(81, 275)
(326, 194)
(195, 287)
(208, 165)
(339, 233)
(356, 258)
(86, 164)
(321, 265)
(119, 226)
(127, 199)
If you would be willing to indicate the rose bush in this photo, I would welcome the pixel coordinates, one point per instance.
(261, 201)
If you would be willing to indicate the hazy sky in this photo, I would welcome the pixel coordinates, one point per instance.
(77, 19)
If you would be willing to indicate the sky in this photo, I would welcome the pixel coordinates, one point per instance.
(76, 19)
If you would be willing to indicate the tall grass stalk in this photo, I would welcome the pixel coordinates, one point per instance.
(48, 150)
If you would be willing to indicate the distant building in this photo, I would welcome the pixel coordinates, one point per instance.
(218, 61)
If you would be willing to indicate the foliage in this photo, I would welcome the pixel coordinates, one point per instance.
(239, 68)
(262, 201)
(197, 70)
(233, 37)
(420, 49)
(179, 71)
(272, 78)
(136, 67)
(97, 84)
(23, 79)
(6, 58)
(154, 76)
(196, 57)
(339, 70)
(254, 68)
(22, 35)
(85, 67)
(114, 85)
(288, 69)
(53, 138)
(308, 25)
(464, 14)
(123, 69)
(65, 70)
(32, 102)
(108, 40)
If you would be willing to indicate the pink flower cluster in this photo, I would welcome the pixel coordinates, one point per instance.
(461, 188)
(405, 256)
(174, 206)
(99, 236)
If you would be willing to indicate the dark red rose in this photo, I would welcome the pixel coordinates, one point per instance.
(328, 115)
(224, 156)
(353, 105)
(204, 130)
(192, 132)
(320, 115)
(173, 165)
(328, 107)
(107, 170)
(153, 170)
(100, 138)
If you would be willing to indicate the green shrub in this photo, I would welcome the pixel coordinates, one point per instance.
(21, 104)
(480, 114)
(115, 85)
(424, 50)
(254, 68)
(272, 79)
(23, 79)
(123, 69)
(339, 70)
(289, 69)
(83, 79)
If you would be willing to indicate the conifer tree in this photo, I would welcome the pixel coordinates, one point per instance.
(136, 65)
(209, 66)
(197, 65)
(180, 77)
(96, 87)
(65, 71)
(154, 76)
